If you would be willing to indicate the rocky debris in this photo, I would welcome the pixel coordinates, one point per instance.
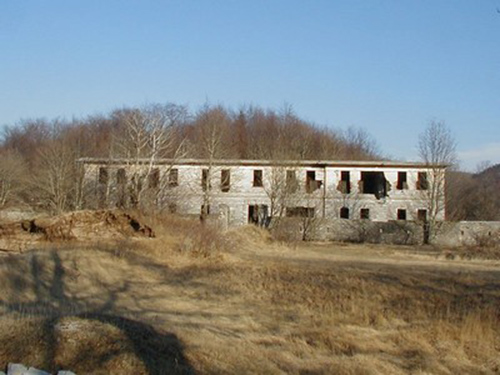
(79, 225)
(18, 369)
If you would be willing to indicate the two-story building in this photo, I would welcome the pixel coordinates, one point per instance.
(246, 191)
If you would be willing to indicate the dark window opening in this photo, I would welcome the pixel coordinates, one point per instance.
(121, 176)
(364, 214)
(172, 208)
(173, 178)
(205, 183)
(103, 175)
(257, 178)
(345, 182)
(225, 180)
(311, 183)
(154, 178)
(205, 210)
(344, 213)
(422, 215)
(422, 182)
(258, 214)
(291, 182)
(401, 214)
(373, 183)
(300, 212)
(402, 181)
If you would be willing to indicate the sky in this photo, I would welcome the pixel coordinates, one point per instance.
(389, 67)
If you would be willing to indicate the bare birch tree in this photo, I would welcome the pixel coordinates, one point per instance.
(212, 145)
(437, 149)
(147, 135)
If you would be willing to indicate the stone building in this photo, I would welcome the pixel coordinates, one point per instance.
(253, 191)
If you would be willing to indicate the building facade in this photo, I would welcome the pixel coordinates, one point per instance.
(255, 191)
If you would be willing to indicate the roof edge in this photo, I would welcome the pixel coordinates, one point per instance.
(257, 162)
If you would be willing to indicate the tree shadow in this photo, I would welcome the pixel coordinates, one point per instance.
(160, 352)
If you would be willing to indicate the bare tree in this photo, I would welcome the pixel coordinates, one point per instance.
(280, 185)
(53, 183)
(13, 177)
(212, 144)
(146, 136)
(437, 149)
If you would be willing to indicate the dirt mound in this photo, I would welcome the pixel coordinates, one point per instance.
(93, 344)
(78, 225)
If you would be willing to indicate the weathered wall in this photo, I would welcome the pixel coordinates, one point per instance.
(464, 233)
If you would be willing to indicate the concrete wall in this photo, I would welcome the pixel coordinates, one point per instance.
(453, 234)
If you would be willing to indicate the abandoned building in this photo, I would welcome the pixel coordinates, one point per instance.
(254, 191)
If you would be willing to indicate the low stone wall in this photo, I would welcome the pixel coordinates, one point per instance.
(469, 233)
(464, 233)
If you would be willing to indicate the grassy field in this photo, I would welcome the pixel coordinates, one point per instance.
(195, 301)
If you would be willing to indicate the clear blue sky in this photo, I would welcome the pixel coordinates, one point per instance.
(387, 66)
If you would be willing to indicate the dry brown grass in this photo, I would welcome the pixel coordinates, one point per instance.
(241, 303)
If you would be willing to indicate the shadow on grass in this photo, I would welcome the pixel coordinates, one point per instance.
(159, 352)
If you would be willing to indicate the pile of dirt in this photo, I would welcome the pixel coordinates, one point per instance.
(80, 225)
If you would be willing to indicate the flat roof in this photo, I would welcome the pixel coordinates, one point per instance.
(285, 163)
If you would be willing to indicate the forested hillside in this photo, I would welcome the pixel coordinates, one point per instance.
(38, 156)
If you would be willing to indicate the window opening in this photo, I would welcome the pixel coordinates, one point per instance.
(300, 212)
(173, 177)
(344, 213)
(373, 183)
(257, 178)
(121, 176)
(345, 182)
(422, 182)
(154, 178)
(103, 175)
(225, 180)
(402, 181)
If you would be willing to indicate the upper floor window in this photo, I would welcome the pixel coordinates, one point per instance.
(422, 182)
(291, 181)
(154, 178)
(364, 213)
(345, 182)
(401, 214)
(257, 178)
(103, 175)
(173, 177)
(311, 183)
(402, 181)
(205, 180)
(121, 176)
(225, 180)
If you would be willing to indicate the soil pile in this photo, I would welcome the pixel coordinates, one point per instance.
(80, 225)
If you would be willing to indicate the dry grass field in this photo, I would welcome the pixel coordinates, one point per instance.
(194, 301)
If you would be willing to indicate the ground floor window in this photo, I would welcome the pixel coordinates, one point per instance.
(300, 212)
(344, 213)
(258, 214)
